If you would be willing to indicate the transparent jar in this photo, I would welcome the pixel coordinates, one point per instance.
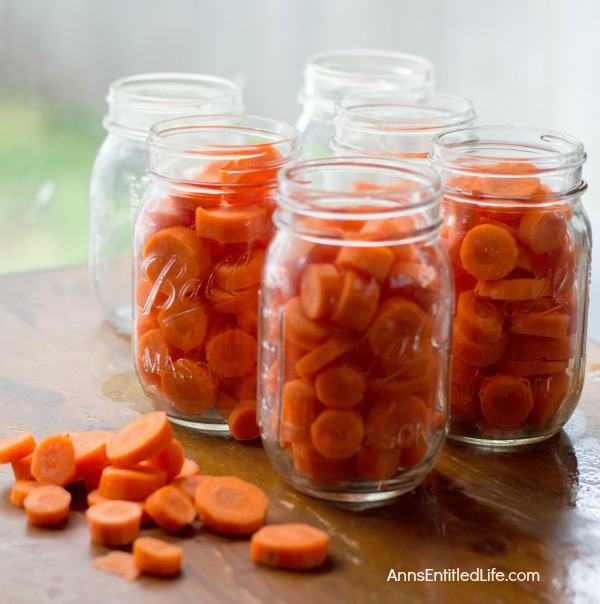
(330, 76)
(199, 241)
(519, 240)
(354, 323)
(118, 178)
(396, 124)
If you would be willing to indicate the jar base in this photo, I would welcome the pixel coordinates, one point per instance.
(472, 436)
(216, 426)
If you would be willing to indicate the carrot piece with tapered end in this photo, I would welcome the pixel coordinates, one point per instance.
(141, 438)
(53, 460)
(20, 489)
(518, 289)
(341, 386)
(118, 562)
(488, 252)
(326, 353)
(134, 483)
(90, 450)
(550, 324)
(242, 421)
(170, 459)
(170, 508)
(506, 400)
(320, 288)
(292, 546)
(371, 261)
(16, 447)
(377, 464)
(190, 386)
(114, 523)
(337, 434)
(238, 223)
(301, 330)
(543, 230)
(231, 351)
(478, 354)
(230, 505)
(358, 301)
(184, 324)
(549, 393)
(479, 318)
(47, 505)
(157, 557)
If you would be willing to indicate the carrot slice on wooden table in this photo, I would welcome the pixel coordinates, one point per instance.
(114, 523)
(372, 261)
(341, 386)
(376, 464)
(302, 330)
(293, 546)
(549, 393)
(90, 450)
(16, 447)
(479, 318)
(506, 400)
(184, 324)
(20, 489)
(140, 439)
(189, 484)
(230, 505)
(242, 421)
(231, 351)
(157, 557)
(170, 508)
(22, 467)
(358, 301)
(238, 223)
(170, 459)
(118, 562)
(53, 460)
(47, 505)
(134, 483)
(189, 467)
(543, 231)
(320, 288)
(337, 434)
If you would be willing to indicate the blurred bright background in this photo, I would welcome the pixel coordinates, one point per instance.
(533, 63)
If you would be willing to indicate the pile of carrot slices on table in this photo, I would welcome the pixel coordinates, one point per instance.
(139, 477)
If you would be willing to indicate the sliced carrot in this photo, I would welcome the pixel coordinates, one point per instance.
(414, 280)
(184, 324)
(319, 469)
(157, 557)
(531, 368)
(135, 483)
(118, 562)
(16, 447)
(244, 386)
(373, 261)
(326, 353)
(489, 252)
(302, 330)
(22, 467)
(248, 320)
(240, 271)
(170, 459)
(506, 400)
(189, 467)
(114, 523)
(376, 464)
(189, 484)
(413, 455)
(514, 289)
(242, 421)
(539, 348)
(238, 223)
(230, 505)
(90, 450)
(478, 354)
(149, 297)
(153, 355)
(47, 505)
(320, 288)
(466, 381)
(53, 460)
(543, 230)
(292, 546)
(358, 301)
(549, 393)
(141, 438)
(170, 508)
(20, 489)
(231, 351)
(91, 481)
(299, 408)
(337, 434)
(224, 403)
(550, 324)
(226, 302)
(341, 386)
(94, 497)
(479, 318)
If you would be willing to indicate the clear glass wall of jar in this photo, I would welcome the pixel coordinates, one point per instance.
(199, 241)
(119, 179)
(396, 124)
(330, 76)
(354, 320)
(519, 240)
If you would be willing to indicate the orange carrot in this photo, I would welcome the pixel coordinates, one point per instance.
(514, 289)
(506, 400)
(190, 386)
(53, 460)
(90, 451)
(170, 459)
(302, 330)
(337, 434)
(551, 324)
(320, 287)
(184, 324)
(118, 562)
(244, 386)
(22, 467)
(540, 348)
(299, 408)
(152, 356)
(530, 368)
(157, 557)
(231, 351)
(20, 489)
(232, 224)
(371, 261)
(543, 230)
(413, 455)
(464, 390)
(248, 320)
(326, 353)
(242, 421)
(292, 546)
(358, 301)
(135, 483)
(224, 404)
(114, 523)
(489, 252)
(16, 447)
(239, 272)
(227, 302)
(549, 393)
(341, 386)
(479, 318)
(170, 508)
(47, 505)
(319, 469)
(377, 464)
(141, 438)
(478, 354)
(189, 484)
(189, 467)
(230, 505)
(415, 281)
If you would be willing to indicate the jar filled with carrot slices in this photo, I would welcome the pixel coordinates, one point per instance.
(519, 240)
(199, 242)
(354, 319)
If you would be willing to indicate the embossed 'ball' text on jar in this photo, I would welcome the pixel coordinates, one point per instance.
(199, 241)
(519, 240)
(355, 314)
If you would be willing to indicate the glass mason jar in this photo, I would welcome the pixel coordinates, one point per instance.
(330, 76)
(354, 326)
(519, 240)
(119, 179)
(199, 241)
(396, 124)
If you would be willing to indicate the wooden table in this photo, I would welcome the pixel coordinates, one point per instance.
(62, 368)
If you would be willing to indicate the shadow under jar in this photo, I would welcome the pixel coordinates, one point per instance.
(519, 241)
(354, 325)
(199, 242)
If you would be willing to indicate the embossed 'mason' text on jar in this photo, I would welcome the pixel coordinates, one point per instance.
(519, 240)
(199, 242)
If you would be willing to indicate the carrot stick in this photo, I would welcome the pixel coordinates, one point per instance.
(506, 400)
(292, 546)
(231, 351)
(53, 460)
(371, 261)
(232, 224)
(114, 523)
(479, 318)
(320, 287)
(156, 557)
(141, 438)
(376, 464)
(550, 324)
(118, 562)
(341, 386)
(543, 230)
(358, 301)
(20, 489)
(22, 467)
(184, 324)
(326, 353)
(337, 434)
(47, 505)
(514, 289)
(302, 330)
(230, 505)
(170, 508)
(242, 421)
(170, 459)
(90, 451)
(16, 447)
(135, 483)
